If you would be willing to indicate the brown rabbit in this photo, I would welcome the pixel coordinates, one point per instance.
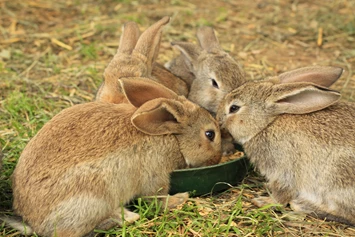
(135, 57)
(180, 65)
(300, 138)
(91, 159)
(216, 72)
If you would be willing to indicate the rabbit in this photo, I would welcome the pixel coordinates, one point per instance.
(91, 159)
(209, 72)
(216, 72)
(165, 77)
(300, 137)
(180, 65)
(135, 57)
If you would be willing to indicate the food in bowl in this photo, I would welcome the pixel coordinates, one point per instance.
(230, 157)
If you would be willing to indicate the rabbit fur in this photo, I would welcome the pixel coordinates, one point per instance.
(91, 159)
(136, 57)
(300, 137)
(209, 71)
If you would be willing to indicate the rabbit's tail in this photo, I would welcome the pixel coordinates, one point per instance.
(18, 224)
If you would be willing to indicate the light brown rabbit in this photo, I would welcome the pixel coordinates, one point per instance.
(216, 72)
(91, 159)
(180, 65)
(136, 57)
(300, 138)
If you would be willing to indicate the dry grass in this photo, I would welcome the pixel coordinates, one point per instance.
(53, 53)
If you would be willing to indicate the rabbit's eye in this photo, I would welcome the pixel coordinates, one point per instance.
(233, 109)
(214, 83)
(210, 135)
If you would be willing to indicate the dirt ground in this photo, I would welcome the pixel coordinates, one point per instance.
(62, 47)
(267, 37)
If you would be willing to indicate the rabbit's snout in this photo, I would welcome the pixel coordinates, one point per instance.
(221, 118)
(215, 160)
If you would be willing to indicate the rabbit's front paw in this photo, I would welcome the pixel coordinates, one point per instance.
(131, 217)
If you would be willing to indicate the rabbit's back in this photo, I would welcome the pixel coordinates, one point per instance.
(75, 129)
(320, 145)
(334, 125)
(89, 161)
(71, 139)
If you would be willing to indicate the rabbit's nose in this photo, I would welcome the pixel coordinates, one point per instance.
(222, 125)
(221, 122)
(220, 117)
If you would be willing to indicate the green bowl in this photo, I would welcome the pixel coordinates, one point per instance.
(209, 179)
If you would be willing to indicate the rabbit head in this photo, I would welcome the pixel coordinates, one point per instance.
(91, 158)
(250, 108)
(134, 58)
(195, 129)
(216, 72)
(299, 137)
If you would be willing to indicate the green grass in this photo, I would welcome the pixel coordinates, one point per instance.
(24, 116)
(198, 216)
(89, 51)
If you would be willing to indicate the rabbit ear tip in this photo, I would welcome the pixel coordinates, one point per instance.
(129, 23)
(204, 28)
(341, 70)
(166, 19)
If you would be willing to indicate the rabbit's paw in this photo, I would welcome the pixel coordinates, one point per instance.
(116, 219)
(302, 206)
(262, 201)
(130, 217)
(177, 199)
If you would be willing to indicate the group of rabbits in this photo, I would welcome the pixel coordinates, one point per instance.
(91, 159)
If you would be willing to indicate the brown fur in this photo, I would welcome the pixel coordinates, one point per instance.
(206, 62)
(91, 159)
(198, 65)
(300, 138)
(165, 77)
(179, 66)
(136, 57)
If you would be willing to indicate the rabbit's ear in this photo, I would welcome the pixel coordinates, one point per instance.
(159, 117)
(319, 75)
(129, 37)
(190, 52)
(140, 90)
(148, 44)
(301, 98)
(208, 39)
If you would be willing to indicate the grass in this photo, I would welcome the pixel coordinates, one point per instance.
(53, 54)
